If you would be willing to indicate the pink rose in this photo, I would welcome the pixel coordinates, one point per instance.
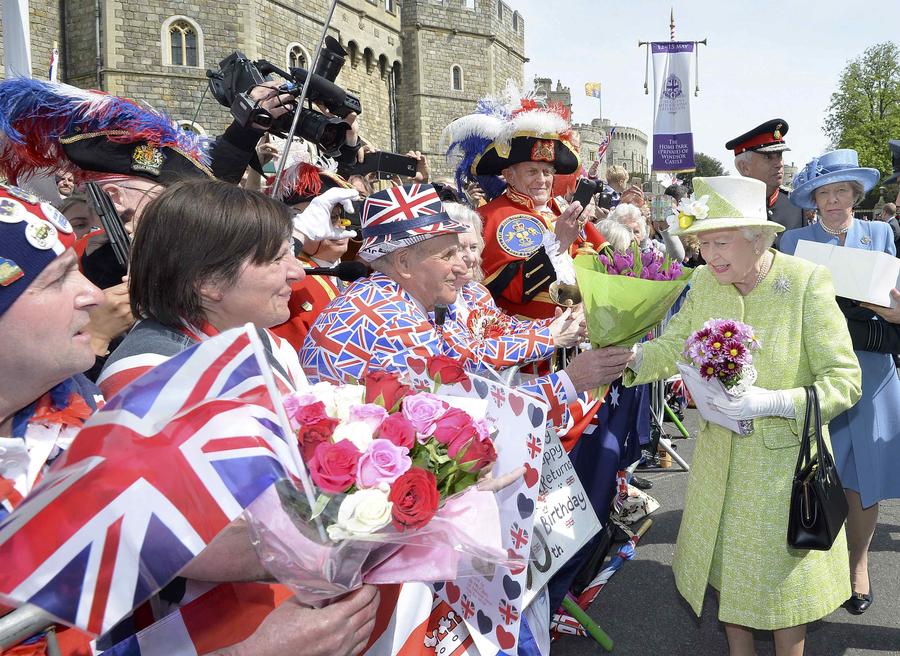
(382, 462)
(369, 414)
(454, 425)
(294, 403)
(423, 410)
(473, 455)
(333, 467)
(397, 429)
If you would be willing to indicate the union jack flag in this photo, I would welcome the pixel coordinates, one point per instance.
(150, 480)
(601, 149)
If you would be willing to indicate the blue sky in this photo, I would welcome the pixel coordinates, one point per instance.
(765, 59)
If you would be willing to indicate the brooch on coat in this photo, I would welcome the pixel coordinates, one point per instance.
(782, 285)
(866, 240)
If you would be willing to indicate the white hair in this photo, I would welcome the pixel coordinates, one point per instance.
(764, 236)
(468, 217)
(615, 234)
(742, 160)
(627, 212)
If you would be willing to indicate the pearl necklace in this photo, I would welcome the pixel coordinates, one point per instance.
(836, 233)
(763, 270)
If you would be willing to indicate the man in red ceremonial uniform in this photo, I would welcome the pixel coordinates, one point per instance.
(517, 269)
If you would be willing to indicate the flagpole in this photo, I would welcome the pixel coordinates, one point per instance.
(266, 370)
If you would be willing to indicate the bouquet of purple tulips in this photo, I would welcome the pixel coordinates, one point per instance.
(634, 263)
(626, 294)
(721, 349)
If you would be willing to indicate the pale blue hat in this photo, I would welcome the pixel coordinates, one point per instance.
(840, 165)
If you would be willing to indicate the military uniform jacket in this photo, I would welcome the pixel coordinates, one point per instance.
(516, 267)
(781, 210)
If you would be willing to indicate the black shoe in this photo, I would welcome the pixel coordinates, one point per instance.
(859, 603)
(641, 483)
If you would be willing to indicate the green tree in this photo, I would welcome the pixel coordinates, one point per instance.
(865, 110)
(707, 167)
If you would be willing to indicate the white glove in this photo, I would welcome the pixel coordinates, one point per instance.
(314, 223)
(757, 402)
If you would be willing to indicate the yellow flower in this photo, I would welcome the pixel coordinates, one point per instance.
(717, 345)
(733, 351)
(685, 220)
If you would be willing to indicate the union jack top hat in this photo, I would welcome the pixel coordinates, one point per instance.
(402, 216)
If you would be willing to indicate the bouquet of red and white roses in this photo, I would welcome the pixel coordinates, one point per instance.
(395, 469)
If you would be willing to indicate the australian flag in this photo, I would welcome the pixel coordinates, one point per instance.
(148, 482)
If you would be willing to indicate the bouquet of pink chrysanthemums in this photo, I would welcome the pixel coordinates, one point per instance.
(722, 349)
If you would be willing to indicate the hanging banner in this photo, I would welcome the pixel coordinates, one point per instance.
(673, 142)
(16, 39)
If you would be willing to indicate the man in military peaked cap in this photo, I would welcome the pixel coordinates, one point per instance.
(758, 154)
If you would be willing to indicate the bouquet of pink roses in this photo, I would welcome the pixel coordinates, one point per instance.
(396, 471)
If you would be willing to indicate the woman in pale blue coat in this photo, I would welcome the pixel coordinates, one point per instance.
(866, 438)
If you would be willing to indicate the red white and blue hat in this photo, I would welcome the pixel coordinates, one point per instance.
(840, 165)
(32, 234)
(46, 126)
(402, 216)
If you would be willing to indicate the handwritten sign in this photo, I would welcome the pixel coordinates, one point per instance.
(564, 519)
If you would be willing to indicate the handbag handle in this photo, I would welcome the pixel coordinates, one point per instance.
(805, 455)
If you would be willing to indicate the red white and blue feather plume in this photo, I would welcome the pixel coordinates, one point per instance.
(35, 115)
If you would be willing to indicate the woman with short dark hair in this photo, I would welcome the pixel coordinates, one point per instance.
(207, 256)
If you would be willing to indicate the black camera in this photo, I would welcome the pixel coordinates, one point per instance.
(237, 76)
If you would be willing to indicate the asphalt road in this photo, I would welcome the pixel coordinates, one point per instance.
(644, 615)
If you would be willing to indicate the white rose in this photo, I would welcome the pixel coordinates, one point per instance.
(325, 392)
(362, 513)
(359, 433)
(345, 397)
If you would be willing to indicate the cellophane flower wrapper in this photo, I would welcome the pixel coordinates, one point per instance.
(461, 539)
(621, 309)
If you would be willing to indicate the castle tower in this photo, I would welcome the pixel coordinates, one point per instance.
(454, 53)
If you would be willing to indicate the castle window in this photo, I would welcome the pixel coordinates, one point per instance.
(297, 57)
(389, 5)
(469, 4)
(500, 9)
(457, 75)
(515, 21)
(182, 42)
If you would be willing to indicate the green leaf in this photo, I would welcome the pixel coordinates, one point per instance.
(321, 503)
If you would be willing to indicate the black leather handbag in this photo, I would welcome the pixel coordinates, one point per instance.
(818, 504)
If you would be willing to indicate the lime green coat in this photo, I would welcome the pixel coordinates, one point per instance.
(734, 529)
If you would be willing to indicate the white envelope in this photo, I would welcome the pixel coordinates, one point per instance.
(858, 274)
(704, 392)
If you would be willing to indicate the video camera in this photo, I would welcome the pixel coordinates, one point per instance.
(587, 188)
(237, 76)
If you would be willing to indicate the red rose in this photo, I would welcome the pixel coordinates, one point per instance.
(473, 455)
(333, 466)
(397, 429)
(385, 389)
(453, 426)
(316, 427)
(415, 497)
(445, 370)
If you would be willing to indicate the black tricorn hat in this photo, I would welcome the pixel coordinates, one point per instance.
(526, 148)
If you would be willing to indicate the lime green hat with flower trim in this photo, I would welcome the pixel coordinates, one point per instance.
(722, 203)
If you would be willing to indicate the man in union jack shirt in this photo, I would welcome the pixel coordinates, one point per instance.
(413, 246)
